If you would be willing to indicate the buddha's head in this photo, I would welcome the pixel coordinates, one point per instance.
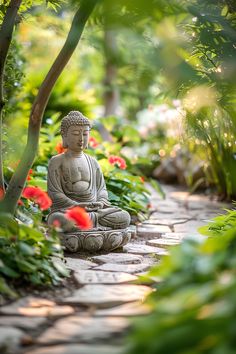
(75, 129)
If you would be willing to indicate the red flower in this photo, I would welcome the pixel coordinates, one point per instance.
(59, 148)
(80, 217)
(56, 223)
(38, 196)
(142, 179)
(20, 202)
(93, 142)
(1, 194)
(30, 173)
(116, 160)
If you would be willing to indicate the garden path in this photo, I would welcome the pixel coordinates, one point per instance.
(93, 316)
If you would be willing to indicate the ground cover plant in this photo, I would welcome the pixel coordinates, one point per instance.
(26, 256)
(193, 309)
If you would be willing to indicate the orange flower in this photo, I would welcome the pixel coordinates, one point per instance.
(38, 196)
(142, 179)
(93, 142)
(80, 217)
(116, 160)
(1, 194)
(30, 173)
(59, 148)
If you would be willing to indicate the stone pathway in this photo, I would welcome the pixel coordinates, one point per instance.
(93, 318)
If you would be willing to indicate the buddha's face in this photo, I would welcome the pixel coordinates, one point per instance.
(77, 138)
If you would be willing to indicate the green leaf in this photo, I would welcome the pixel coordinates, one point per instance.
(157, 187)
(39, 183)
(25, 266)
(112, 196)
(61, 268)
(130, 134)
(25, 249)
(5, 289)
(9, 272)
(32, 233)
(7, 221)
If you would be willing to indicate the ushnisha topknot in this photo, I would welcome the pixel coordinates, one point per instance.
(73, 118)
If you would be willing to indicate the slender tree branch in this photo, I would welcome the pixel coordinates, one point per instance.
(5, 41)
(17, 182)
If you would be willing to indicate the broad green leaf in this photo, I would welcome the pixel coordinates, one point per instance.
(7, 221)
(25, 249)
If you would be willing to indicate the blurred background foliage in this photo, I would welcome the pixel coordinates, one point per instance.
(164, 70)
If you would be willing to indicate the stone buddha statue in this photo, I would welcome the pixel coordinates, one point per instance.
(76, 179)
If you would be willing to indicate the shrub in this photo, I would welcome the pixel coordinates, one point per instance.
(26, 255)
(194, 308)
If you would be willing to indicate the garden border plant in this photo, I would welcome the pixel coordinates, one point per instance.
(193, 308)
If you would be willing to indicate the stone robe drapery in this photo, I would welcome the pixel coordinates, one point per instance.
(59, 179)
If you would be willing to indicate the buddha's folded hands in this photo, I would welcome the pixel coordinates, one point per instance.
(93, 206)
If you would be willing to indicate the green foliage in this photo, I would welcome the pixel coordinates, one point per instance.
(128, 192)
(67, 95)
(193, 308)
(26, 256)
(212, 54)
(215, 132)
(13, 76)
(220, 224)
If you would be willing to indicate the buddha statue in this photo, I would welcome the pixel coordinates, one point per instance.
(76, 179)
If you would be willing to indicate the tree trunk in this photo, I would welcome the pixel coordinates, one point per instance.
(17, 182)
(5, 41)
(111, 95)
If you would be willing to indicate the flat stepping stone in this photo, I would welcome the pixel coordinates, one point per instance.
(86, 329)
(166, 222)
(168, 203)
(118, 258)
(139, 248)
(166, 209)
(163, 242)
(10, 339)
(189, 227)
(179, 195)
(126, 310)
(154, 231)
(78, 264)
(22, 322)
(107, 295)
(102, 277)
(30, 306)
(180, 214)
(127, 268)
(77, 349)
(205, 217)
(178, 236)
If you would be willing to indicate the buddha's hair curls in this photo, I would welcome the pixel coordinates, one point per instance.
(73, 118)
